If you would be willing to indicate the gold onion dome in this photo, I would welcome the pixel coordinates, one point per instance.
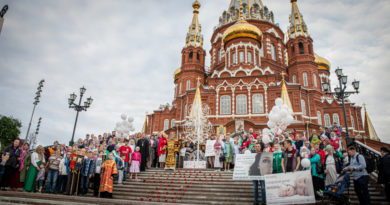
(177, 71)
(322, 63)
(242, 29)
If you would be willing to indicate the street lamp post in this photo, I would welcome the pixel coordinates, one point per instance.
(32, 140)
(2, 13)
(78, 108)
(341, 94)
(36, 101)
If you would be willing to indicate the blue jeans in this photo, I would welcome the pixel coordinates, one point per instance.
(125, 170)
(256, 190)
(84, 185)
(51, 181)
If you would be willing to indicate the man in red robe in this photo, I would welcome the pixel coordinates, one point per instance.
(162, 142)
(107, 181)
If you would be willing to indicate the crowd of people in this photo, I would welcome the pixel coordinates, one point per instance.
(93, 162)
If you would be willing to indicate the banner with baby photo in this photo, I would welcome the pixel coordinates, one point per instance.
(289, 188)
(252, 166)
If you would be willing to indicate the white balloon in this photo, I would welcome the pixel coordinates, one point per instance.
(266, 139)
(278, 101)
(305, 163)
(123, 116)
(131, 119)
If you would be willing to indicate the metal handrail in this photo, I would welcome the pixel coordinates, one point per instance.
(369, 152)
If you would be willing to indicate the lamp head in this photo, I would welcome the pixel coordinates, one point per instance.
(337, 90)
(344, 79)
(339, 72)
(82, 90)
(325, 86)
(356, 85)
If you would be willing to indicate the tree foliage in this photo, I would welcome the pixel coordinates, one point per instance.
(9, 130)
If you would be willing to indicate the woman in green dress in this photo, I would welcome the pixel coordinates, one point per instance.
(228, 151)
(37, 158)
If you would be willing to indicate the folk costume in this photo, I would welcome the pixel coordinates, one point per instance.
(74, 177)
(170, 162)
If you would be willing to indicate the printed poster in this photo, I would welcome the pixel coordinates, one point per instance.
(252, 166)
(210, 148)
(289, 188)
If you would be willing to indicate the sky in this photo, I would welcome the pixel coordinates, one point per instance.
(125, 52)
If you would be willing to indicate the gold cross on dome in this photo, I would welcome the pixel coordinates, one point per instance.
(198, 80)
(283, 74)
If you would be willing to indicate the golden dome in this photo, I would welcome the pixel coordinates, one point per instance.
(322, 63)
(177, 71)
(242, 29)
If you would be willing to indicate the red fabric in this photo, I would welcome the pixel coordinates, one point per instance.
(136, 156)
(15, 180)
(125, 150)
(161, 143)
(246, 144)
(254, 136)
(73, 159)
(335, 143)
(322, 155)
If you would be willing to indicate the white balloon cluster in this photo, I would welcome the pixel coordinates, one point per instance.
(280, 117)
(124, 127)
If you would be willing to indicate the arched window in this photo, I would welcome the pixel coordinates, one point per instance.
(294, 79)
(261, 50)
(315, 80)
(241, 56)
(305, 81)
(173, 123)
(198, 55)
(188, 85)
(180, 88)
(352, 122)
(301, 50)
(249, 57)
(303, 107)
(257, 103)
(234, 58)
(241, 104)
(175, 93)
(336, 118)
(327, 120)
(185, 110)
(225, 105)
(292, 48)
(273, 52)
(255, 58)
(166, 124)
(191, 55)
(319, 117)
(219, 55)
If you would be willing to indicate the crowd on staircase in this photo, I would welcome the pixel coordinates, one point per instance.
(93, 162)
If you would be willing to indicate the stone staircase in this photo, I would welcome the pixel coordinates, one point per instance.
(157, 186)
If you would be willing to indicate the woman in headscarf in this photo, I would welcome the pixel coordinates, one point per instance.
(330, 166)
(36, 159)
(25, 161)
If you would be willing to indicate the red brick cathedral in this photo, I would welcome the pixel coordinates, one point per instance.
(249, 56)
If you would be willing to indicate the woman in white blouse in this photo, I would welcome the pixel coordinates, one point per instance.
(37, 158)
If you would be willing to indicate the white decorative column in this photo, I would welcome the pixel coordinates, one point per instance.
(249, 102)
(233, 103)
(216, 104)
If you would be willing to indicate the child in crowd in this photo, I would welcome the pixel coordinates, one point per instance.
(41, 177)
(121, 166)
(135, 163)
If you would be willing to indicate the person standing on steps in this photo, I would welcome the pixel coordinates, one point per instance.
(384, 171)
(357, 166)
(143, 145)
(256, 182)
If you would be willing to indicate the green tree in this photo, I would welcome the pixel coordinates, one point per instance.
(9, 130)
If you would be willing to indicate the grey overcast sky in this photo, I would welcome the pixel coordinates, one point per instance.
(125, 52)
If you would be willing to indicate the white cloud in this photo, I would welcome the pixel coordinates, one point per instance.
(125, 52)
